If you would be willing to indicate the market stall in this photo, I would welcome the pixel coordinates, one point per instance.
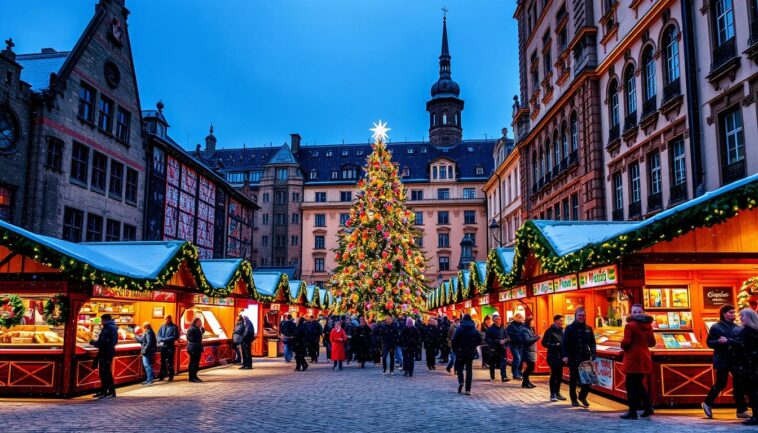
(57, 292)
(272, 295)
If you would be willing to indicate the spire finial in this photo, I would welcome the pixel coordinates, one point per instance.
(9, 44)
(211, 129)
(444, 13)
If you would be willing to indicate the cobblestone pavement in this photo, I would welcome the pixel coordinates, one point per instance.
(273, 398)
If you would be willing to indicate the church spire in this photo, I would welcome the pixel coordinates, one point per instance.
(445, 126)
(445, 55)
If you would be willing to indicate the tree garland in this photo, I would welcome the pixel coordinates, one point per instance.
(11, 311)
(56, 310)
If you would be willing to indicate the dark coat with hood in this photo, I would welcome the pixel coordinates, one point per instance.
(465, 340)
(578, 343)
(638, 339)
(410, 339)
(390, 335)
(551, 341)
(433, 337)
(514, 334)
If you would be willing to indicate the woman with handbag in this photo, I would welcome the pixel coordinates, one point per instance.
(578, 346)
(638, 339)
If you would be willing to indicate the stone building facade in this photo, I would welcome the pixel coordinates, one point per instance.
(503, 193)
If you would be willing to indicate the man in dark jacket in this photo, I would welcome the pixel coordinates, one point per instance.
(444, 324)
(551, 341)
(149, 347)
(497, 339)
(248, 336)
(300, 345)
(326, 333)
(314, 338)
(287, 331)
(577, 346)
(723, 338)
(465, 341)
(409, 342)
(195, 348)
(433, 339)
(516, 344)
(167, 336)
(106, 345)
(389, 334)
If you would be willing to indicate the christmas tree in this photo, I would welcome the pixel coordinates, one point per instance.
(380, 270)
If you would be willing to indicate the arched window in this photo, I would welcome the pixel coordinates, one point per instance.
(648, 62)
(457, 118)
(564, 140)
(535, 168)
(613, 103)
(574, 133)
(444, 117)
(432, 119)
(671, 47)
(548, 156)
(630, 90)
(542, 164)
(557, 148)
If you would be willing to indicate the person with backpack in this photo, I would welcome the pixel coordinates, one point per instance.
(465, 341)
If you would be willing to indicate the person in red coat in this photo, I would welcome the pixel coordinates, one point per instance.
(338, 337)
(638, 339)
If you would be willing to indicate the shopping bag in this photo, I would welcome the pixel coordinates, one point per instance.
(587, 375)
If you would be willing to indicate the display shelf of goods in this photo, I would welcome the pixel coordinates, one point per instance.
(30, 335)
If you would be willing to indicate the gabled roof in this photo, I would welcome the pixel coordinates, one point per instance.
(223, 274)
(298, 292)
(271, 287)
(283, 156)
(37, 67)
(313, 296)
(324, 298)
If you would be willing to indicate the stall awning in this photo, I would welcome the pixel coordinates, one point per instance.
(271, 287)
(223, 274)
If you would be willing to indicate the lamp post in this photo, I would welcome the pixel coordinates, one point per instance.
(495, 228)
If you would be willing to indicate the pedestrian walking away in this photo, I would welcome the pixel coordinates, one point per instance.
(168, 334)
(327, 331)
(516, 344)
(497, 340)
(106, 345)
(528, 352)
(433, 340)
(338, 338)
(747, 360)
(314, 338)
(300, 346)
(450, 331)
(149, 346)
(409, 341)
(723, 338)
(465, 341)
(248, 336)
(361, 342)
(195, 348)
(638, 364)
(552, 342)
(578, 345)
(287, 332)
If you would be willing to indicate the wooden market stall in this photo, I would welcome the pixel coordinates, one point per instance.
(57, 291)
(272, 299)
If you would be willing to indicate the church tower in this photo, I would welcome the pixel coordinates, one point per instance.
(445, 107)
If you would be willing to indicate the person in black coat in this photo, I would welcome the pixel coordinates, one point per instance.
(301, 345)
(149, 347)
(248, 336)
(723, 338)
(168, 333)
(497, 340)
(361, 342)
(195, 348)
(389, 335)
(237, 334)
(432, 342)
(106, 345)
(444, 324)
(551, 341)
(747, 359)
(516, 344)
(465, 341)
(528, 352)
(577, 346)
(287, 332)
(409, 341)
(314, 338)
(421, 330)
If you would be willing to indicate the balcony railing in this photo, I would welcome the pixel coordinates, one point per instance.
(724, 52)
(630, 121)
(649, 106)
(671, 90)
(635, 209)
(618, 214)
(654, 202)
(613, 134)
(732, 172)
(678, 192)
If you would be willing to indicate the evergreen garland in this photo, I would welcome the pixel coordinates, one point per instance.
(11, 311)
(56, 310)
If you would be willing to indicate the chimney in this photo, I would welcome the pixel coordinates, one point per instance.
(295, 143)
(210, 142)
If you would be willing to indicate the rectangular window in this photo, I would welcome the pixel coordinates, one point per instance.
(557, 210)
(320, 220)
(734, 139)
(418, 218)
(281, 197)
(320, 197)
(279, 242)
(295, 218)
(318, 264)
(123, 119)
(566, 210)
(94, 228)
(343, 219)
(348, 173)
(116, 187)
(99, 171)
(443, 194)
(434, 172)
(444, 263)
(132, 182)
(130, 232)
(469, 217)
(86, 102)
(469, 193)
(235, 176)
(724, 21)
(417, 194)
(281, 174)
(654, 172)
(634, 183)
(335, 174)
(550, 213)
(346, 196)
(295, 197)
(105, 118)
(280, 219)
(264, 240)
(319, 242)
(73, 219)
(266, 197)
(618, 192)
(678, 166)
(418, 240)
(264, 219)
(575, 207)
(443, 217)
(294, 241)
(443, 240)
(79, 163)
(255, 176)
(113, 231)
(54, 153)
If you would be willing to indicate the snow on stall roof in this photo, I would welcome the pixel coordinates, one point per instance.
(568, 236)
(454, 284)
(266, 282)
(481, 267)
(294, 288)
(323, 295)
(309, 292)
(465, 275)
(219, 272)
(506, 255)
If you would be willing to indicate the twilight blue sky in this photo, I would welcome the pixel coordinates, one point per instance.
(326, 69)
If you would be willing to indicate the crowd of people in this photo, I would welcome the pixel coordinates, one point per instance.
(398, 343)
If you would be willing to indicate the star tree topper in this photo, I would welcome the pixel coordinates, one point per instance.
(380, 131)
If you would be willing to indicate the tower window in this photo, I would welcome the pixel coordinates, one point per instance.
(444, 117)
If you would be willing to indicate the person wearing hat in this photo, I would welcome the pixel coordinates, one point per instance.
(465, 341)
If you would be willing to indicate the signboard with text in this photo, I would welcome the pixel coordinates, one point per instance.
(604, 371)
(605, 276)
(206, 300)
(543, 288)
(484, 300)
(565, 284)
(115, 292)
(716, 297)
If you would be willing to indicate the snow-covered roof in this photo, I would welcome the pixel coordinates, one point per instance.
(219, 272)
(310, 292)
(266, 283)
(481, 268)
(465, 278)
(568, 236)
(505, 255)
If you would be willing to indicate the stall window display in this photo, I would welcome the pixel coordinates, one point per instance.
(32, 331)
(210, 319)
(89, 323)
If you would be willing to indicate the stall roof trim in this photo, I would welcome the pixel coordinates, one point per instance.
(266, 283)
(505, 255)
(219, 272)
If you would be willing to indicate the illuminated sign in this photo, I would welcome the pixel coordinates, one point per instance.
(566, 284)
(604, 276)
